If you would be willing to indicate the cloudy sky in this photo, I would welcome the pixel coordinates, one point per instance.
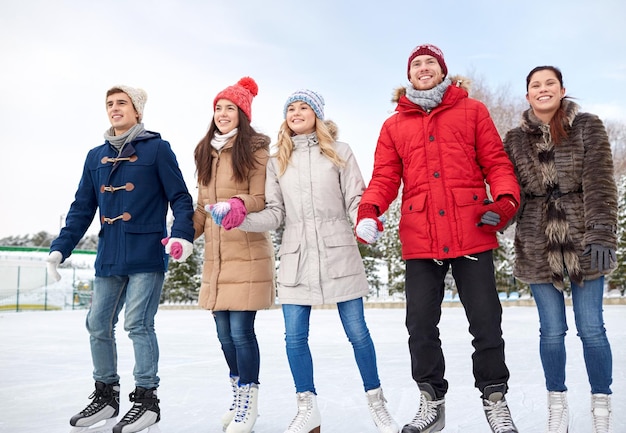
(59, 58)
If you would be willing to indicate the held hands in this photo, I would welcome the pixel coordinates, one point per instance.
(369, 230)
(218, 211)
(53, 262)
(369, 227)
(229, 214)
(497, 214)
(178, 249)
(601, 257)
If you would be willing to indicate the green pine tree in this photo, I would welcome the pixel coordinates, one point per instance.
(371, 261)
(390, 248)
(617, 279)
(503, 259)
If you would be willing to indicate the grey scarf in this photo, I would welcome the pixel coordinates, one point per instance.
(118, 141)
(428, 99)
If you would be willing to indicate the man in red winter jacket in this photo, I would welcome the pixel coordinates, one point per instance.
(443, 147)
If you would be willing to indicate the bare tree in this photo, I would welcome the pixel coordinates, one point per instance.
(505, 109)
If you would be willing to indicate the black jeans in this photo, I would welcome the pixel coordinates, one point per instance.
(475, 282)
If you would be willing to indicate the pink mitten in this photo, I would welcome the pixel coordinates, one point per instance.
(173, 248)
(237, 214)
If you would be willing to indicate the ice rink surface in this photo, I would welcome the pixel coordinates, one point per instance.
(45, 371)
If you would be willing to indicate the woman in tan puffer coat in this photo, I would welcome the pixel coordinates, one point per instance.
(238, 272)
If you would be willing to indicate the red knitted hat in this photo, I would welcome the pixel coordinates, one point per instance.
(430, 50)
(241, 94)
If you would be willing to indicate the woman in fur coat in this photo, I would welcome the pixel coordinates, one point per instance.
(314, 187)
(566, 228)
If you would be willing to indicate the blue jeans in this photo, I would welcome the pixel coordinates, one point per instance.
(587, 302)
(235, 331)
(299, 353)
(140, 294)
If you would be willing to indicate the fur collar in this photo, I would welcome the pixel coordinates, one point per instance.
(532, 125)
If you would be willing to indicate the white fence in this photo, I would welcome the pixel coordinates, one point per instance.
(24, 283)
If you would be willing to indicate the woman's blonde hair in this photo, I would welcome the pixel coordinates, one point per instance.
(326, 131)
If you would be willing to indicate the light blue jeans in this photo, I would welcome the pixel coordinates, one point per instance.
(140, 294)
(299, 353)
(587, 302)
(235, 331)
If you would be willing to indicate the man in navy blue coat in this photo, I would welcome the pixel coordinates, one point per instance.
(131, 179)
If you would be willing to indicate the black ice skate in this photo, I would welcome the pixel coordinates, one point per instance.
(144, 414)
(497, 410)
(105, 406)
(431, 414)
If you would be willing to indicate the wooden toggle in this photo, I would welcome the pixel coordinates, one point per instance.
(124, 217)
(128, 187)
(106, 159)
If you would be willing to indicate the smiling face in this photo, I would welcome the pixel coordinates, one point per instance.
(226, 116)
(121, 112)
(300, 118)
(544, 94)
(425, 72)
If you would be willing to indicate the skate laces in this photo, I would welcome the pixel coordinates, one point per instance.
(140, 406)
(305, 406)
(376, 403)
(100, 398)
(601, 411)
(499, 416)
(557, 411)
(427, 412)
(243, 402)
(234, 384)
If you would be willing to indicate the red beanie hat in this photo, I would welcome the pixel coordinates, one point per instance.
(241, 94)
(430, 50)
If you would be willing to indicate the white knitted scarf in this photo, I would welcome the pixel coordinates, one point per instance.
(219, 140)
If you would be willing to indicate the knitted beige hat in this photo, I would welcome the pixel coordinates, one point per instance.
(136, 95)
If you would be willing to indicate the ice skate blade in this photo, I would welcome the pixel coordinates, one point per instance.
(154, 428)
(99, 427)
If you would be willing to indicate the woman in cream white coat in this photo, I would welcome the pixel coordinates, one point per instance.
(314, 186)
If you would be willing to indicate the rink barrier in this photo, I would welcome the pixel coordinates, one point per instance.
(525, 302)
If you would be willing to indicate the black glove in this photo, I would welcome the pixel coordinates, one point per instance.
(490, 218)
(601, 257)
(497, 214)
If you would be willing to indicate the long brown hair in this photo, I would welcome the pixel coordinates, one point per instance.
(242, 154)
(558, 125)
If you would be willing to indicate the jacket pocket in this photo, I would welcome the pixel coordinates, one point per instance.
(469, 207)
(143, 243)
(341, 255)
(289, 263)
(414, 225)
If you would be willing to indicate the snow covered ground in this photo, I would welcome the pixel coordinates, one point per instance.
(45, 372)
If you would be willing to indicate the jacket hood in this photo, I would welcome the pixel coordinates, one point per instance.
(332, 129)
(259, 141)
(457, 80)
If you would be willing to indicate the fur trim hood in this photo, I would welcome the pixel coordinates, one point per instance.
(332, 129)
(457, 80)
(259, 141)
